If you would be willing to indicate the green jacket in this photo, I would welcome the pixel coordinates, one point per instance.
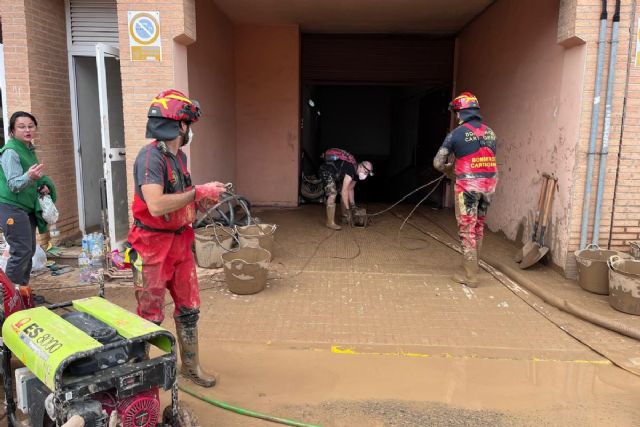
(26, 199)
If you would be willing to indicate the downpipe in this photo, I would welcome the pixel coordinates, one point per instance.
(604, 151)
(595, 114)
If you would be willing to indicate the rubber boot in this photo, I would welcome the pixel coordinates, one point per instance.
(470, 267)
(331, 217)
(190, 368)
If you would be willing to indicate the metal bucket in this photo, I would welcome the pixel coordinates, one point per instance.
(257, 236)
(593, 273)
(624, 285)
(211, 242)
(246, 270)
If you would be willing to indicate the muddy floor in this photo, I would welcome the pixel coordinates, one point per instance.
(365, 328)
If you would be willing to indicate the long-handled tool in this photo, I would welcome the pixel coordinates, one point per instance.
(540, 250)
(531, 244)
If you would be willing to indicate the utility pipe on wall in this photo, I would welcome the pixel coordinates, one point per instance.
(604, 150)
(595, 114)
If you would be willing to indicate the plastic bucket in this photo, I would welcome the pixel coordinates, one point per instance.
(593, 273)
(257, 236)
(635, 250)
(211, 242)
(624, 285)
(246, 270)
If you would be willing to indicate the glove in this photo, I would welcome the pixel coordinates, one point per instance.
(347, 217)
(210, 190)
(449, 171)
(352, 206)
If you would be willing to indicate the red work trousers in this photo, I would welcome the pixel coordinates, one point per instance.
(471, 212)
(164, 262)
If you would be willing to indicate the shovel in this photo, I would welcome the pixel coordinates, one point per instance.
(530, 245)
(540, 250)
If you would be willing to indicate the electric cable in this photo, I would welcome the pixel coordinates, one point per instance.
(414, 191)
(242, 411)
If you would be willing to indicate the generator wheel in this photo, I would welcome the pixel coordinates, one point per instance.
(186, 417)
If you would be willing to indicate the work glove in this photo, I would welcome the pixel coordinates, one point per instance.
(352, 206)
(210, 190)
(347, 217)
(449, 171)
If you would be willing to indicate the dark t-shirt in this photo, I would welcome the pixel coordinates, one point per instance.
(150, 167)
(340, 168)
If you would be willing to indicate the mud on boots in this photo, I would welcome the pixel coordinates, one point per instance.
(187, 332)
(341, 170)
(470, 266)
(472, 146)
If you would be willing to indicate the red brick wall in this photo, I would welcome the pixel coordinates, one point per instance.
(141, 81)
(36, 68)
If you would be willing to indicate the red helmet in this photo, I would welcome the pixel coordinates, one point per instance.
(174, 105)
(463, 101)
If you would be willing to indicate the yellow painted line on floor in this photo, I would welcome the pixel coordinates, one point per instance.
(335, 349)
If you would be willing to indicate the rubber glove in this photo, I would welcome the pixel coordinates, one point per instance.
(449, 171)
(210, 190)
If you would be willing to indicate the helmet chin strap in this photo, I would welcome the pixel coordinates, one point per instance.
(185, 136)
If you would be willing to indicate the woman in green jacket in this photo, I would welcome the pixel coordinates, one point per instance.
(22, 180)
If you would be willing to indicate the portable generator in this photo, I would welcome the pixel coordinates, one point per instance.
(91, 360)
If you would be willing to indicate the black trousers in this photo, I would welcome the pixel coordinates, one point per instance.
(19, 229)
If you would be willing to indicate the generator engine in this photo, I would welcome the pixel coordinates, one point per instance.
(92, 362)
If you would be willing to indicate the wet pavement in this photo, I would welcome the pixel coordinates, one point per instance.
(365, 327)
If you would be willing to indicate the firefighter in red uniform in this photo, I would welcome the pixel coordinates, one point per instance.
(473, 145)
(164, 208)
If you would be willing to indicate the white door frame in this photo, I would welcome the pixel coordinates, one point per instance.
(108, 154)
(3, 86)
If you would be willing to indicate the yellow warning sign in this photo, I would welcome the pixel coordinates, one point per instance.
(144, 36)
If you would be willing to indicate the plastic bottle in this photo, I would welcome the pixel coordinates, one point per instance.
(85, 244)
(84, 264)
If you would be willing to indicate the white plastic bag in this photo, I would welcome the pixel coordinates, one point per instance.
(4, 255)
(39, 260)
(49, 210)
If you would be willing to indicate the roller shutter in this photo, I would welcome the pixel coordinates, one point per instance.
(93, 21)
(376, 59)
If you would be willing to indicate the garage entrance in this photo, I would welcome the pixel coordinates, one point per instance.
(381, 97)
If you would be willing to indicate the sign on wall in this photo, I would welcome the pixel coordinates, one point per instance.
(144, 36)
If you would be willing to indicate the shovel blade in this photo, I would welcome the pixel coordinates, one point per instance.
(534, 257)
(528, 247)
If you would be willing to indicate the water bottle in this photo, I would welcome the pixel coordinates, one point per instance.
(96, 269)
(85, 267)
(85, 244)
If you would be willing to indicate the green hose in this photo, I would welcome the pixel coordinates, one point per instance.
(242, 411)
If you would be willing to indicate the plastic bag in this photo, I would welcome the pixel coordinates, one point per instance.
(39, 260)
(49, 210)
(4, 255)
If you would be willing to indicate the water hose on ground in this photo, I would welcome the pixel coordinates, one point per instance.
(242, 411)
(512, 280)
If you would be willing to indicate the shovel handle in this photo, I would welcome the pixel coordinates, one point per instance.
(551, 186)
(541, 199)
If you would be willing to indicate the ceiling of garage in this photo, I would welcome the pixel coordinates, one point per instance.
(358, 16)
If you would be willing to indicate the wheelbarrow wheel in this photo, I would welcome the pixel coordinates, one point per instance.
(186, 417)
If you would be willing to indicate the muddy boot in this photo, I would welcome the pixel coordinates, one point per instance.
(470, 267)
(331, 215)
(190, 368)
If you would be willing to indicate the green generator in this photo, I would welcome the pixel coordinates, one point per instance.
(88, 357)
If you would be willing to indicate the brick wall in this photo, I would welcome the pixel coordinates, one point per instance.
(141, 81)
(620, 211)
(36, 68)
